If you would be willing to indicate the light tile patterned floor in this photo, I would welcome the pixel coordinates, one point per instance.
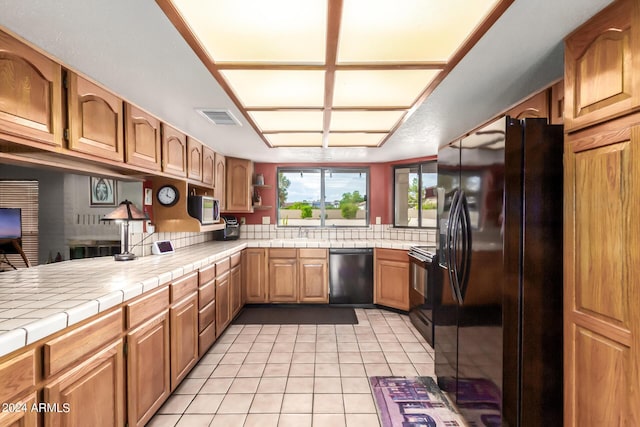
(297, 375)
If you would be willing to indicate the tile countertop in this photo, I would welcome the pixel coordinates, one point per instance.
(45, 299)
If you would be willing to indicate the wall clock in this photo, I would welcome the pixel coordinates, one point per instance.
(168, 195)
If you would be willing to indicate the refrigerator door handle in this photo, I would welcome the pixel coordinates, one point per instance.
(466, 247)
(455, 255)
(450, 243)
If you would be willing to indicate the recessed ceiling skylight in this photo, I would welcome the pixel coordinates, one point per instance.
(330, 73)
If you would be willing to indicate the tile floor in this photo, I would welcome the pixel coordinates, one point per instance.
(297, 375)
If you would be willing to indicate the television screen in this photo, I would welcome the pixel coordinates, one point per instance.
(10, 224)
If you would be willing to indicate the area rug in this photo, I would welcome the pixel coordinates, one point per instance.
(412, 402)
(296, 315)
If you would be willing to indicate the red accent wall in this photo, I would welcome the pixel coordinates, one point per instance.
(380, 188)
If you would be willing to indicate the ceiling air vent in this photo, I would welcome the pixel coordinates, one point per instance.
(220, 117)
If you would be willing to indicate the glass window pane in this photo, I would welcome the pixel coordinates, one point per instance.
(429, 199)
(346, 197)
(406, 196)
(299, 196)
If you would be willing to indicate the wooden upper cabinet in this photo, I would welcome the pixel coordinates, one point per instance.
(535, 107)
(556, 113)
(142, 143)
(220, 179)
(208, 166)
(95, 119)
(194, 159)
(602, 62)
(30, 94)
(239, 185)
(174, 151)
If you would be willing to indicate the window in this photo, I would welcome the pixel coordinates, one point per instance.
(415, 199)
(323, 197)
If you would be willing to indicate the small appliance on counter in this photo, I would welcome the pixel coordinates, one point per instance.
(206, 209)
(231, 231)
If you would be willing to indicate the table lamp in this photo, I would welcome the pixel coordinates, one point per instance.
(125, 212)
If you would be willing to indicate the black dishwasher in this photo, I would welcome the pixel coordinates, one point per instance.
(351, 276)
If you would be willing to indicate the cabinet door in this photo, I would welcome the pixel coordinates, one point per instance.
(220, 178)
(391, 284)
(602, 61)
(208, 166)
(95, 119)
(92, 394)
(184, 338)
(194, 159)
(148, 369)
(236, 289)
(174, 151)
(314, 286)
(556, 115)
(142, 143)
(20, 414)
(223, 303)
(239, 185)
(601, 270)
(283, 280)
(534, 107)
(255, 275)
(30, 94)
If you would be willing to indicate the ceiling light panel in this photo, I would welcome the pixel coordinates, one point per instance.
(277, 88)
(355, 139)
(275, 31)
(380, 31)
(294, 139)
(380, 88)
(288, 120)
(365, 120)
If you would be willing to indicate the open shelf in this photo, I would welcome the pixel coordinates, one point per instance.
(176, 218)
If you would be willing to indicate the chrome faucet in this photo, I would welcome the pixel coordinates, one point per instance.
(302, 233)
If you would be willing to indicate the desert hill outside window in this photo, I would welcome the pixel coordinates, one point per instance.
(415, 200)
(323, 197)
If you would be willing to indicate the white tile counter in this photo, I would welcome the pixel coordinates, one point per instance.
(42, 300)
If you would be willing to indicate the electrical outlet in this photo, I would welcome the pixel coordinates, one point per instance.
(243, 220)
(378, 220)
(266, 220)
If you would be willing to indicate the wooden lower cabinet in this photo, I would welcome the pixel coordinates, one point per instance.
(391, 278)
(283, 279)
(184, 337)
(601, 270)
(20, 414)
(223, 303)
(313, 282)
(91, 394)
(255, 275)
(148, 369)
(235, 284)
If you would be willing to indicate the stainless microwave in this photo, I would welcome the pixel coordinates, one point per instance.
(205, 209)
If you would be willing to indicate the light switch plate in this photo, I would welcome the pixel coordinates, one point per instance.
(266, 220)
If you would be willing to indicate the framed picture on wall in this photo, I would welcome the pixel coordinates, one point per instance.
(103, 191)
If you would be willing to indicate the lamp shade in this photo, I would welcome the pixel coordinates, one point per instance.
(126, 211)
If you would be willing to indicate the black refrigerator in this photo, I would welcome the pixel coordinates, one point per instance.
(498, 322)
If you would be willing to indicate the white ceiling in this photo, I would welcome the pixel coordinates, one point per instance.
(131, 48)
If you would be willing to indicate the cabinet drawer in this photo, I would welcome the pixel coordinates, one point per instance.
(222, 267)
(206, 316)
(312, 253)
(206, 293)
(17, 375)
(147, 306)
(283, 253)
(235, 259)
(67, 349)
(206, 339)
(184, 286)
(207, 273)
(392, 254)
